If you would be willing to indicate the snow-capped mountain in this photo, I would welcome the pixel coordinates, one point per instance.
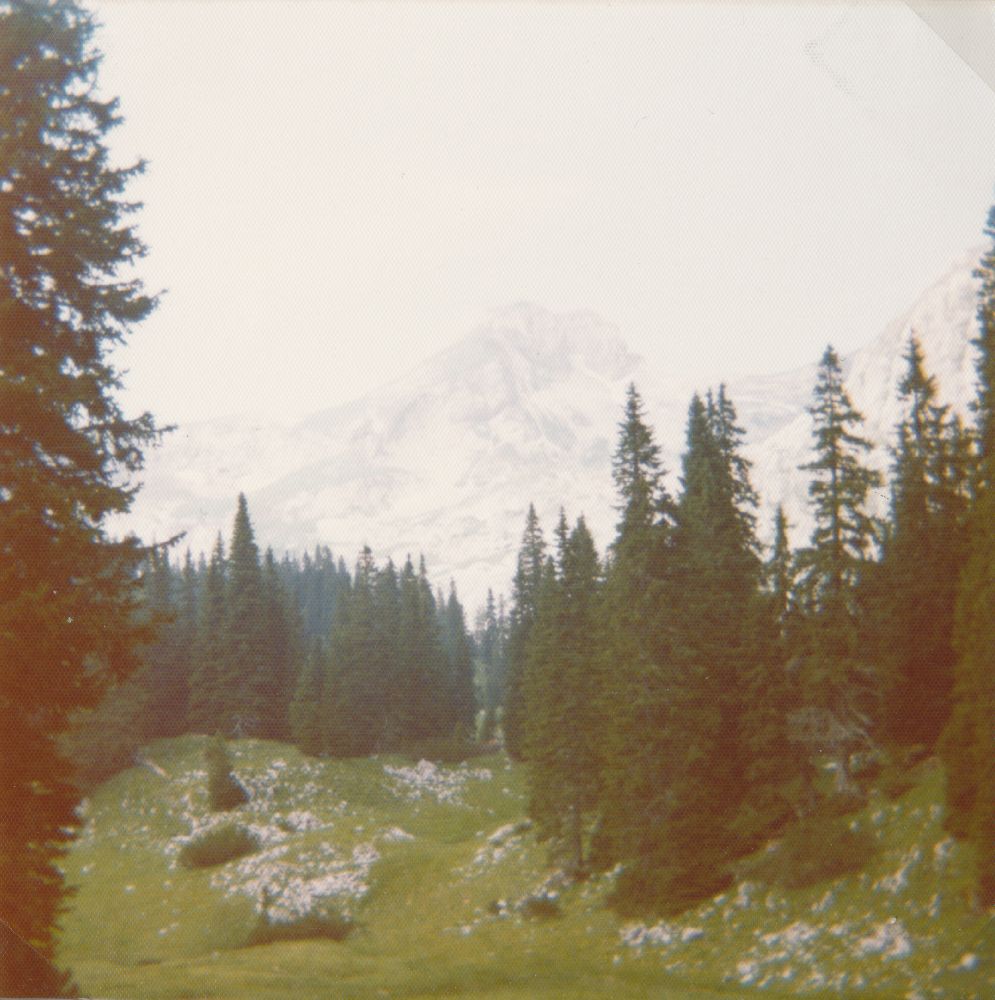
(525, 408)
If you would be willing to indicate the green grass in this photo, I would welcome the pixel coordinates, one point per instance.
(432, 903)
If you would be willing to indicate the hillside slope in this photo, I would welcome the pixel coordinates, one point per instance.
(436, 869)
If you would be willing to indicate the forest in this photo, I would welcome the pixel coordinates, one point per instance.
(675, 700)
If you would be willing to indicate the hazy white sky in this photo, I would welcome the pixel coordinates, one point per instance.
(336, 190)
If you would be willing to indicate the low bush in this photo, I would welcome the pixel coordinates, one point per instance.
(329, 926)
(812, 851)
(218, 845)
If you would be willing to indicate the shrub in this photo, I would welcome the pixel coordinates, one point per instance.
(330, 926)
(224, 790)
(812, 851)
(218, 845)
(539, 907)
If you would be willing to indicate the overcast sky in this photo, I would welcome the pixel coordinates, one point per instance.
(337, 191)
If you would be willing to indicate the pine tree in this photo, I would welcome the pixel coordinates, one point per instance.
(525, 593)
(841, 690)
(67, 451)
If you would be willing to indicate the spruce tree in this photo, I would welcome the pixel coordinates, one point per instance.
(246, 678)
(970, 735)
(923, 557)
(353, 698)
(67, 451)
(207, 693)
(841, 690)
(460, 695)
(525, 594)
(638, 639)
(304, 713)
(563, 674)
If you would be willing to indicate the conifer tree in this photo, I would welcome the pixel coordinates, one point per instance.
(281, 650)
(840, 688)
(246, 678)
(67, 451)
(304, 712)
(525, 593)
(207, 694)
(563, 673)
(462, 701)
(638, 641)
(923, 557)
(353, 705)
(970, 735)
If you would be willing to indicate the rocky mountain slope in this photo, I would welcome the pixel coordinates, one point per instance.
(446, 460)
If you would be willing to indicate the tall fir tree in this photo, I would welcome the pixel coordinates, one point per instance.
(207, 695)
(638, 641)
(841, 690)
(460, 695)
(246, 676)
(970, 735)
(525, 595)
(914, 595)
(68, 453)
(563, 674)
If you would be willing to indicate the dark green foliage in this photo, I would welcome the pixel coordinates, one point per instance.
(969, 738)
(839, 689)
(224, 790)
(104, 740)
(218, 845)
(638, 640)
(562, 697)
(812, 851)
(206, 692)
(525, 595)
(67, 451)
(305, 709)
(399, 667)
(246, 675)
(913, 594)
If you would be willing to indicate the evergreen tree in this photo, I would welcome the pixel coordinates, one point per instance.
(305, 719)
(281, 650)
(562, 680)
(246, 678)
(840, 690)
(207, 694)
(67, 590)
(970, 735)
(461, 699)
(353, 704)
(525, 594)
(923, 557)
(638, 638)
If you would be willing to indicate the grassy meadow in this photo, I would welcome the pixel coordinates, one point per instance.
(436, 881)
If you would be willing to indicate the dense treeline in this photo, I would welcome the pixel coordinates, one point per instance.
(299, 650)
(689, 696)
